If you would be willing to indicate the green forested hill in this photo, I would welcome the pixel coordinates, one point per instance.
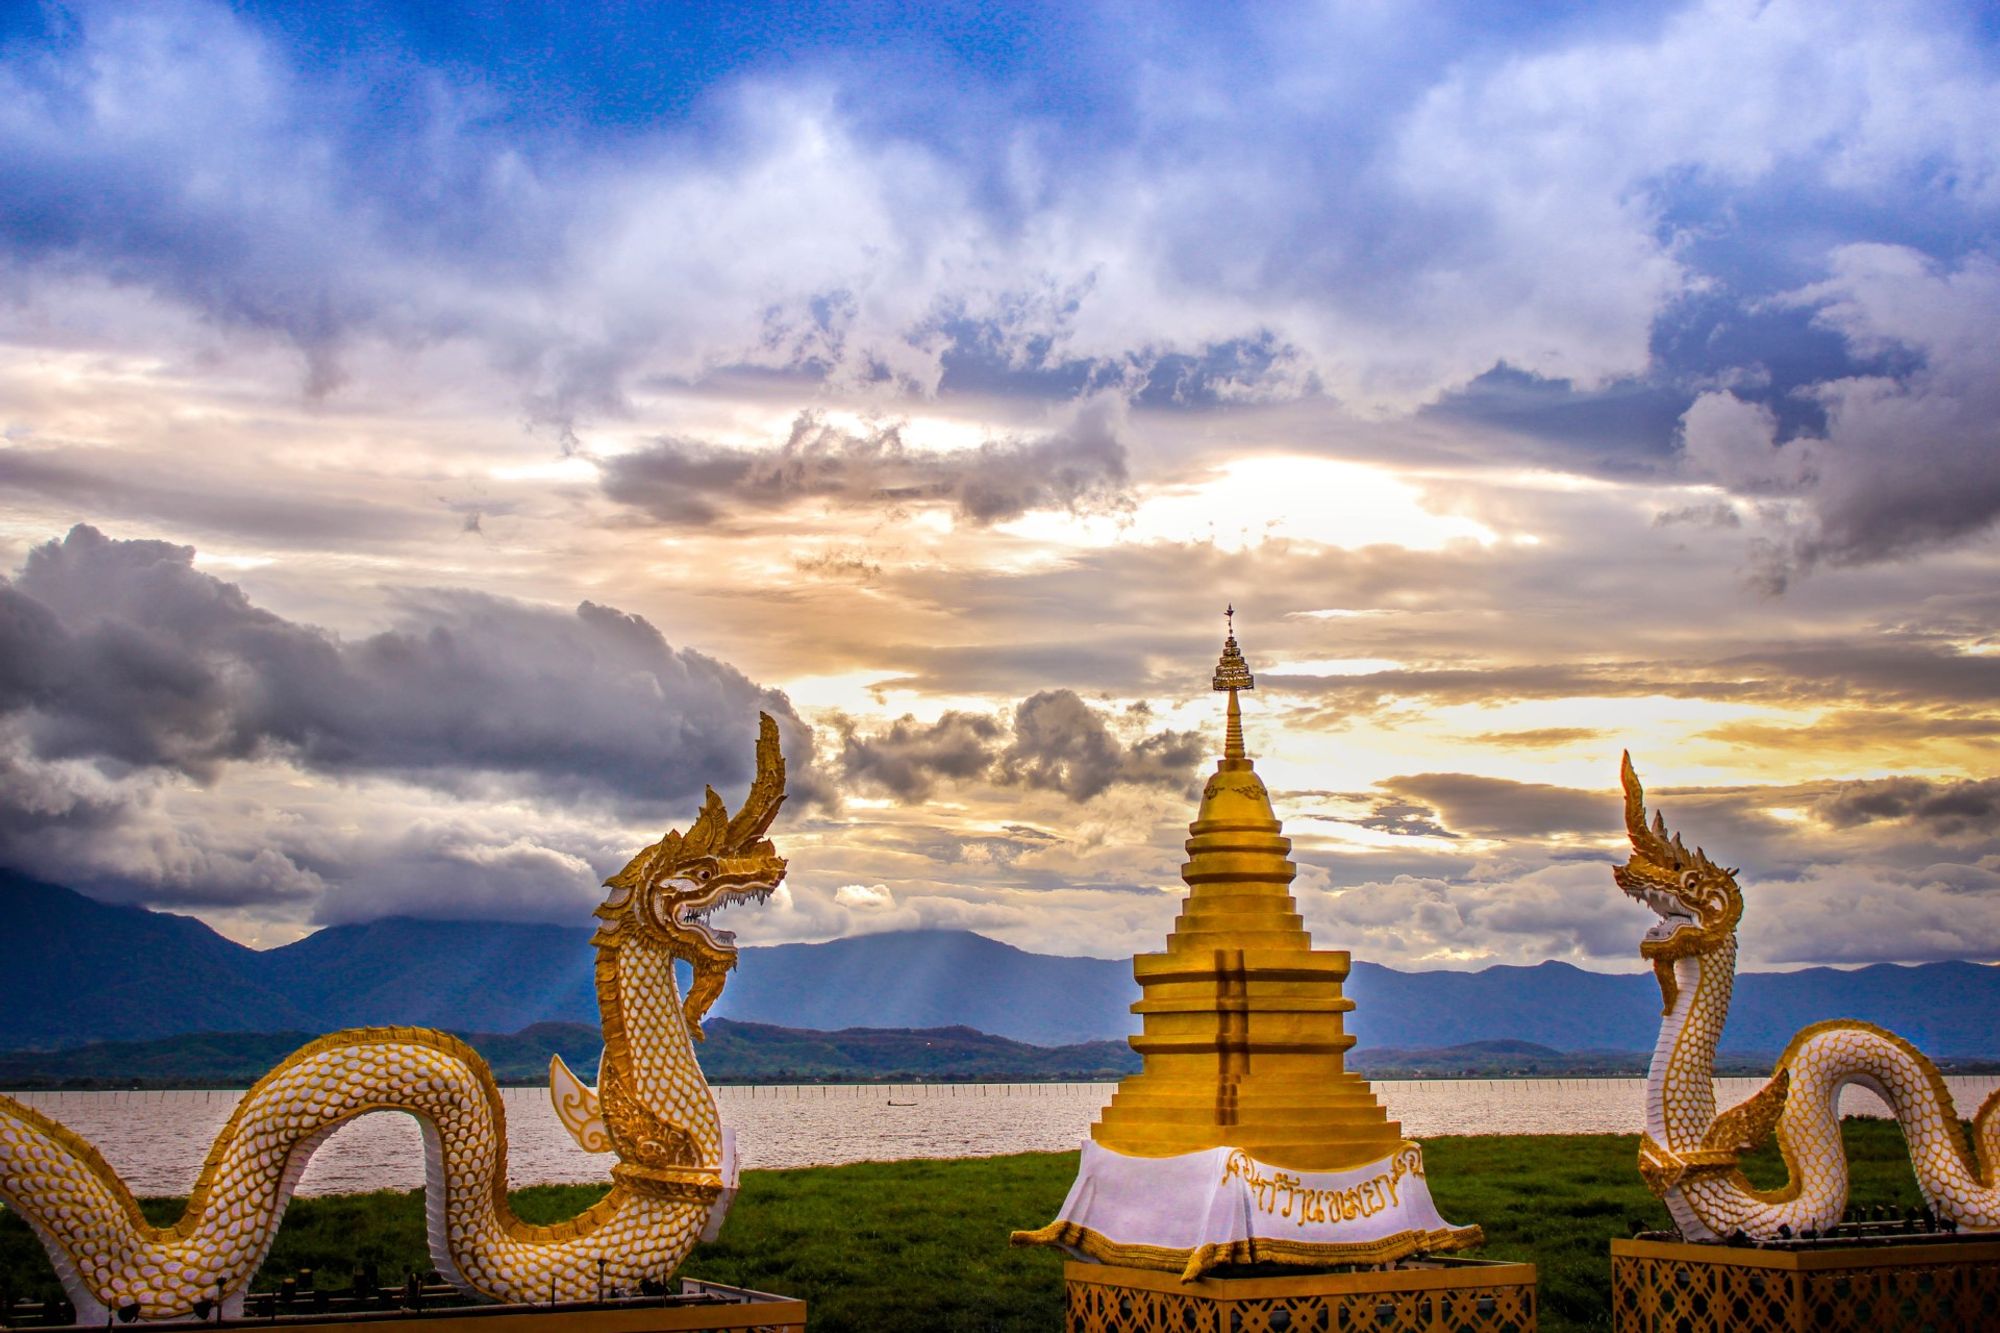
(733, 1053)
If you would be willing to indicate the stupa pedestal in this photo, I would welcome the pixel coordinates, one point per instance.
(1244, 1139)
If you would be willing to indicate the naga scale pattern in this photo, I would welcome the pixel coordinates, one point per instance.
(1689, 1153)
(653, 1109)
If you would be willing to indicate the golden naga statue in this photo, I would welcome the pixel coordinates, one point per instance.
(675, 1172)
(1689, 1154)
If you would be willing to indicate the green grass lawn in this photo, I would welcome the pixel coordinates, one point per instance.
(922, 1246)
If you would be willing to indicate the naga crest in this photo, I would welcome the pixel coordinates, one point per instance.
(1697, 900)
(667, 892)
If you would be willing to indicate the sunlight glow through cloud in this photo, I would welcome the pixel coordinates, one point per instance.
(1249, 502)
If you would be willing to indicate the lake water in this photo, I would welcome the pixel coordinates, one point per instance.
(157, 1140)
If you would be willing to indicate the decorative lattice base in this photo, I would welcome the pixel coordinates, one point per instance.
(1936, 1286)
(702, 1307)
(1415, 1296)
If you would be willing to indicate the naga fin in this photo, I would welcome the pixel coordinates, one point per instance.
(576, 1106)
(1747, 1126)
(1670, 986)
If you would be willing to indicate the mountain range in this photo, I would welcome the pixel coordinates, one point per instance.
(734, 1053)
(84, 971)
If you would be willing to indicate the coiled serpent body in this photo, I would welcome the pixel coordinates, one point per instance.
(652, 1108)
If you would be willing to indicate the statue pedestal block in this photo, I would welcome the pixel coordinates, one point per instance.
(1944, 1284)
(701, 1307)
(1412, 1296)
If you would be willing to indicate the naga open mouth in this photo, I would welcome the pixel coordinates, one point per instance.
(694, 903)
(1673, 913)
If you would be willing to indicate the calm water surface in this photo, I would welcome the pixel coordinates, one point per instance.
(157, 1140)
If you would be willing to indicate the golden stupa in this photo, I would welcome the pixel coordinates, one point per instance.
(1242, 1038)
(1243, 1139)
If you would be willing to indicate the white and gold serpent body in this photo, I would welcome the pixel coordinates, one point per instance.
(653, 1109)
(1689, 1154)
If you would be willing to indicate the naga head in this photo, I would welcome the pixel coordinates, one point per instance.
(1697, 901)
(667, 892)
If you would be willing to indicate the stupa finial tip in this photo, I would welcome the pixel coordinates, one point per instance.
(1232, 672)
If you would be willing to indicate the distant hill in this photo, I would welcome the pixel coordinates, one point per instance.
(82, 971)
(78, 970)
(1520, 1059)
(762, 1053)
(933, 978)
(497, 976)
(1947, 1009)
(734, 1053)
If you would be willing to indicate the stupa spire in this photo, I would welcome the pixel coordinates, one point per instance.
(1232, 673)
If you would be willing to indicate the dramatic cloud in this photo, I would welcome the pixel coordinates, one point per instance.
(122, 651)
(1061, 744)
(907, 758)
(70, 479)
(1572, 912)
(1806, 672)
(1387, 238)
(1056, 742)
(1538, 737)
(124, 661)
(940, 381)
(1906, 460)
(1497, 808)
(1947, 809)
(1082, 468)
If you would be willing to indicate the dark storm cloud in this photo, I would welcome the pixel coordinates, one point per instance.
(1620, 427)
(460, 869)
(907, 758)
(1061, 744)
(33, 808)
(1538, 738)
(1054, 741)
(127, 488)
(1857, 727)
(1499, 808)
(122, 653)
(1883, 668)
(1905, 454)
(1880, 670)
(1711, 516)
(1947, 809)
(1403, 819)
(683, 482)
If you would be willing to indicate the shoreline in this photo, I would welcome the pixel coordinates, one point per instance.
(1730, 1070)
(917, 1245)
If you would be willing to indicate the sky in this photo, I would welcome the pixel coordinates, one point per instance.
(429, 434)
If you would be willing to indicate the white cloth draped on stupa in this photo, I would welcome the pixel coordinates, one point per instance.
(1201, 1210)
